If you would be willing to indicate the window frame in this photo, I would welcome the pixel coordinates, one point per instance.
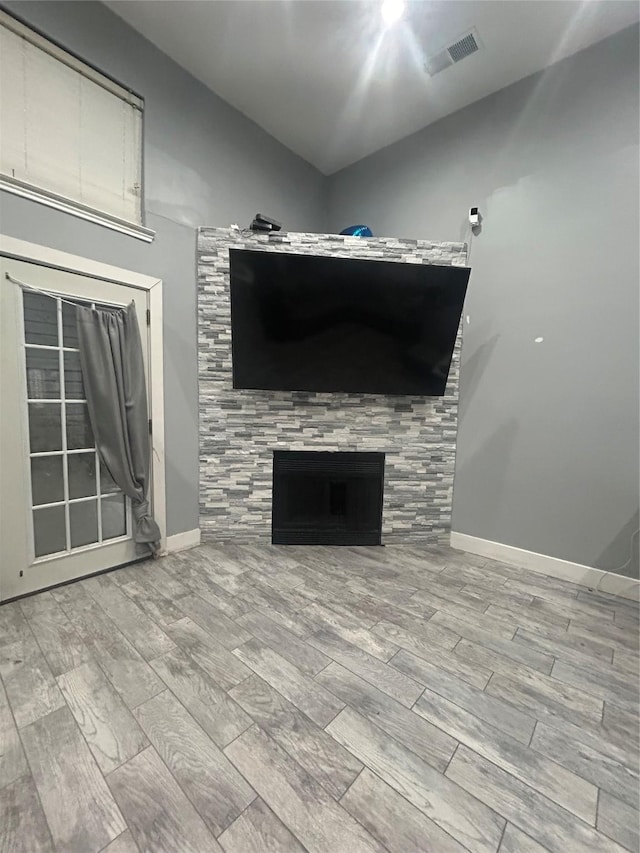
(66, 204)
(61, 348)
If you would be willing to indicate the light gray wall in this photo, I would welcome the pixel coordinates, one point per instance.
(205, 163)
(548, 433)
(548, 443)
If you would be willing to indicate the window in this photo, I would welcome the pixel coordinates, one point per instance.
(74, 502)
(71, 137)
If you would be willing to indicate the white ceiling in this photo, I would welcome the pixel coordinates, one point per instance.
(332, 84)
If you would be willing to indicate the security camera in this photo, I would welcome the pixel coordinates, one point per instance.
(265, 223)
(474, 216)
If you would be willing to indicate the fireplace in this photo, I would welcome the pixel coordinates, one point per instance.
(239, 430)
(323, 498)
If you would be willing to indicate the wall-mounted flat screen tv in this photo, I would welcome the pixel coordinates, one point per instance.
(310, 323)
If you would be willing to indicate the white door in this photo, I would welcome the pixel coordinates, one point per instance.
(61, 514)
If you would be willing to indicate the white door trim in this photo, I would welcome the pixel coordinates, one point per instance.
(588, 576)
(32, 253)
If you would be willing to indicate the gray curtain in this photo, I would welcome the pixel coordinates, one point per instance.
(113, 374)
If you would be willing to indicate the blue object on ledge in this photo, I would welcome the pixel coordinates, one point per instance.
(358, 231)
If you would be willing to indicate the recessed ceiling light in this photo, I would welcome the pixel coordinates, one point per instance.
(392, 11)
(538, 340)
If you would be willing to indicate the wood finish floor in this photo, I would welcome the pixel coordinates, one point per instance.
(285, 699)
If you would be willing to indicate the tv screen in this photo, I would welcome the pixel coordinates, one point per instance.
(308, 323)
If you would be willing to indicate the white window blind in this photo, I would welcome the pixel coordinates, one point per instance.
(65, 128)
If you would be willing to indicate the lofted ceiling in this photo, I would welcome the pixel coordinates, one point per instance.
(332, 83)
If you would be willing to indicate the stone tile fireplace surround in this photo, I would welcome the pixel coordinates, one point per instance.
(240, 430)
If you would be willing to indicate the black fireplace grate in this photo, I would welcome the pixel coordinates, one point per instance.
(327, 498)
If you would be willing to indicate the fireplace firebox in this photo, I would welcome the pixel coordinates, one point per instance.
(325, 498)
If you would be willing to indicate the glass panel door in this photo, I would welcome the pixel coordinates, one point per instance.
(61, 514)
(74, 502)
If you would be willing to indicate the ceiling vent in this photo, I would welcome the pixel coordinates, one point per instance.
(459, 50)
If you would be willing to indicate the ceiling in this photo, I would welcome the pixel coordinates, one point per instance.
(332, 83)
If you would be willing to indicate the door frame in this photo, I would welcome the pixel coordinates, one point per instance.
(21, 250)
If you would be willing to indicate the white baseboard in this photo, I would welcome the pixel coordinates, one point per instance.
(546, 565)
(182, 541)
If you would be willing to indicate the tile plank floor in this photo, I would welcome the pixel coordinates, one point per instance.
(264, 699)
